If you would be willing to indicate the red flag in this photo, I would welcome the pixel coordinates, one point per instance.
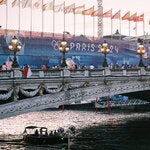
(15, 3)
(69, 9)
(126, 16)
(79, 9)
(98, 12)
(38, 4)
(107, 14)
(88, 11)
(3, 2)
(139, 18)
(116, 15)
(132, 17)
(26, 3)
(59, 7)
(27, 72)
(48, 6)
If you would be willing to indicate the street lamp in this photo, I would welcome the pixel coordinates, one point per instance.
(64, 48)
(141, 51)
(105, 50)
(15, 46)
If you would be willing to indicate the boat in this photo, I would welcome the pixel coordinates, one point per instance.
(118, 101)
(38, 50)
(40, 136)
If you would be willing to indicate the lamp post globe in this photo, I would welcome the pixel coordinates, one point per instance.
(64, 48)
(141, 51)
(15, 46)
(105, 50)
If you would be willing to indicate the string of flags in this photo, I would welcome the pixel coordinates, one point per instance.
(76, 10)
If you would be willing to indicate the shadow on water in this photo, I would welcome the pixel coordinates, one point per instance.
(133, 135)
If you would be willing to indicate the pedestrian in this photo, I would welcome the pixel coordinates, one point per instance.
(4, 66)
(92, 66)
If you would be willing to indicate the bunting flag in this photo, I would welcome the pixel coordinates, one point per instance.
(79, 9)
(126, 16)
(15, 3)
(131, 18)
(59, 8)
(38, 4)
(108, 14)
(2, 2)
(69, 9)
(98, 12)
(88, 11)
(26, 3)
(48, 6)
(139, 18)
(116, 15)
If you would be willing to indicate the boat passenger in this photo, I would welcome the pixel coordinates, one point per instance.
(51, 133)
(55, 133)
(41, 132)
(36, 132)
(91, 66)
(46, 133)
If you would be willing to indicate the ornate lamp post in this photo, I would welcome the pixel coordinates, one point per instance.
(64, 48)
(141, 51)
(15, 46)
(105, 50)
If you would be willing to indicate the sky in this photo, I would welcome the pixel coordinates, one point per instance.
(76, 26)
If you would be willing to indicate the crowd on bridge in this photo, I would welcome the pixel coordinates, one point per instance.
(8, 66)
(91, 66)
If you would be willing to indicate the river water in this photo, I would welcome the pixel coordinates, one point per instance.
(94, 131)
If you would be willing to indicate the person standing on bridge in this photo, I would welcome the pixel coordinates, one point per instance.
(27, 71)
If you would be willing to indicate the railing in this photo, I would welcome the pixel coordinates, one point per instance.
(54, 73)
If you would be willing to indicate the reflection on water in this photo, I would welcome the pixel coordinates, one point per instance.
(95, 131)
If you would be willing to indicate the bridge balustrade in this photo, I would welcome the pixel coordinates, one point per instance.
(56, 73)
(134, 72)
(147, 71)
(96, 72)
(5, 74)
(46, 73)
(118, 72)
(79, 73)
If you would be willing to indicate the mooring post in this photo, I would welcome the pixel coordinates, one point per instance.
(108, 101)
(62, 107)
(96, 106)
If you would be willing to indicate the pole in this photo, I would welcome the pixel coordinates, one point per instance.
(6, 17)
(31, 11)
(96, 106)
(62, 107)
(68, 140)
(108, 100)
(15, 63)
(64, 60)
(53, 17)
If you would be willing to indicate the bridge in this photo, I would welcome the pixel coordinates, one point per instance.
(55, 87)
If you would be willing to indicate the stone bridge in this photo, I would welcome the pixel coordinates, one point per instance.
(52, 88)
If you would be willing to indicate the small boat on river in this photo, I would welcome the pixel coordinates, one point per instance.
(40, 136)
